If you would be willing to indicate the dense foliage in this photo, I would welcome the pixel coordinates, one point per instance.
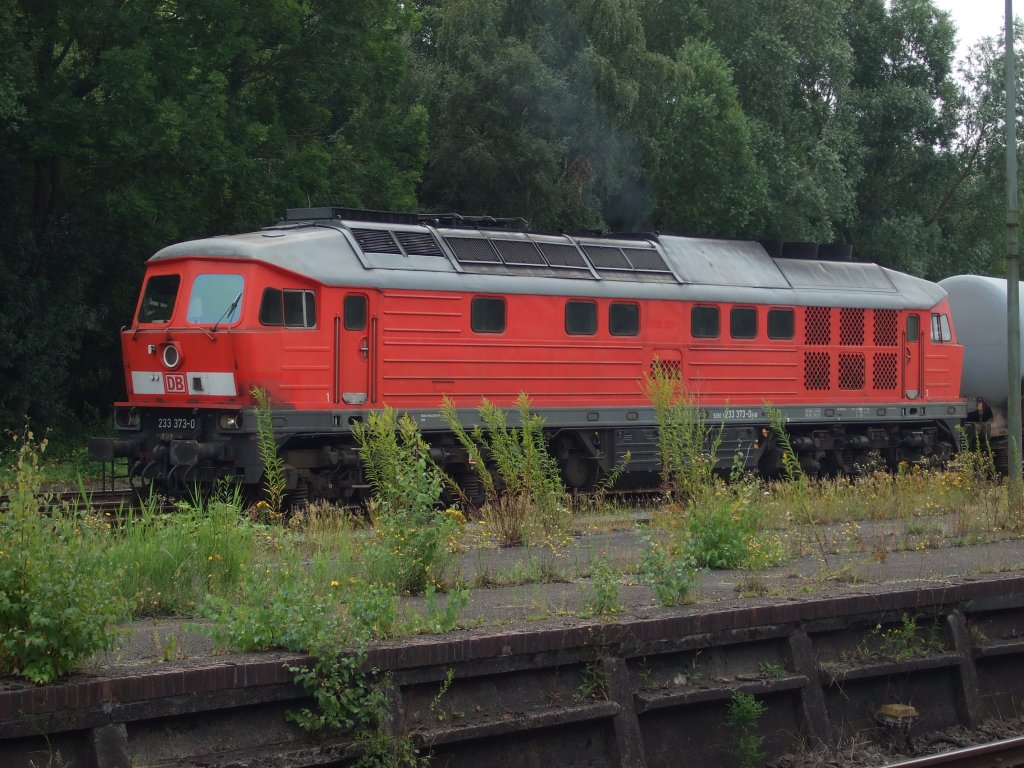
(127, 126)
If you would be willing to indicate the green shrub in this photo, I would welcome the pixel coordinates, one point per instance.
(283, 606)
(669, 569)
(410, 546)
(58, 600)
(603, 598)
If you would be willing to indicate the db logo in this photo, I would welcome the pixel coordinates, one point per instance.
(175, 383)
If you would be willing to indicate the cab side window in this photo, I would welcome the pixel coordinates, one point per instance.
(940, 328)
(288, 308)
(158, 299)
(355, 312)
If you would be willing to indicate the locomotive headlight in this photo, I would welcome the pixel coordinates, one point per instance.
(171, 356)
(230, 421)
(127, 418)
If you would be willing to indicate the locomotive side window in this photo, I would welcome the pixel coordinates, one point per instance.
(913, 328)
(355, 312)
(704, 322)
(487, 315)
(299, 309)
(743, 322)
(940, 328)
(158, 299)
(292, 309)
(271, 307)
(216, 299)
(780, 324)
(623, 319)
(581, 318)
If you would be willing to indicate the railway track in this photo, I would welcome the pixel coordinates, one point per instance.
(1008, 753)
(95, 501)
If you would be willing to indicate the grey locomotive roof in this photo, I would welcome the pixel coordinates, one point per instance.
(505, 262)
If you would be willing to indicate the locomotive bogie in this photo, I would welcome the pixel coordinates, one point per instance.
(336, 318)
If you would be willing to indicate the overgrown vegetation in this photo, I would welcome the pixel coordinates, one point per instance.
(274, 480)
(59, 602)
(708, 523)
(525, 495)
(329, 580)
(742, 718)
(410, 546)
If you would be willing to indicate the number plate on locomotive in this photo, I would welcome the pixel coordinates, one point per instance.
(177, 423)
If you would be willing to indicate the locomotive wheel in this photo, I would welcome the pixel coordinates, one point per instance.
(578, 471)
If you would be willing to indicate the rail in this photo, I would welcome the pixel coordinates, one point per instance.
(93, 501)
(1008, 753)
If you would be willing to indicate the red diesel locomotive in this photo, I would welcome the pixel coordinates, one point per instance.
(336, 313)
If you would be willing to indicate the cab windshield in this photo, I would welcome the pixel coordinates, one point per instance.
(215, 300)
(158, 299)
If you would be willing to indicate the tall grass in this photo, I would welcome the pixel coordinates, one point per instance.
(169, 562)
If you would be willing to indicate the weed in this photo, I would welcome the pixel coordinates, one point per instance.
(903, 641)
(593, 682)
(976, 634)
(742, 718)
(166, 563)
(772, 669)
(531, 498)
(274, 480)
(344, 691)
(409, 548)
(168, 648)
(669, 569)
(290, 609)
(603, 597)
(435, 704)
(687, 445)
(797, 478)
(442, 615)
(752, 586)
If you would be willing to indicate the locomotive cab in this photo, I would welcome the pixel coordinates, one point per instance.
(203, 330)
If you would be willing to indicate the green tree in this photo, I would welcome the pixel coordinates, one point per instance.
(791, 65)
(973, 207)
(906, 105)
(529, 104)
(701, 163)
(127, 126)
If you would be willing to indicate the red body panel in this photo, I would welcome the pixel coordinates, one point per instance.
(417, 346)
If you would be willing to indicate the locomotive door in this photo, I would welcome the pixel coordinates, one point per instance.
(355, 333)
(912, 368)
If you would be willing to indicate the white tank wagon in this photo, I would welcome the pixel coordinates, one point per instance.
(978, 305)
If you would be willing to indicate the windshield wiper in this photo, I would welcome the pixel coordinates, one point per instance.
(227, 312)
